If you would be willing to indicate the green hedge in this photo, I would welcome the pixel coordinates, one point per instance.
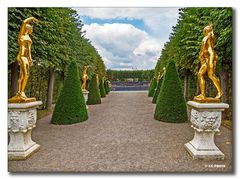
(152, 87)
(102, 89)
(171, 105)
(106, 86)
(70, 107)
(157, 91)
(94, 93)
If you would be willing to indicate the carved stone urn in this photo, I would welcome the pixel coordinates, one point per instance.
(206, 120)
(22, 119)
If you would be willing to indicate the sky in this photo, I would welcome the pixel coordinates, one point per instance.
(128, 38)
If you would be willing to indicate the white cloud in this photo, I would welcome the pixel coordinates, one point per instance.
(158, 20)
(123, 46)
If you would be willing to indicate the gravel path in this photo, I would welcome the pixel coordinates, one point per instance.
(120, 135)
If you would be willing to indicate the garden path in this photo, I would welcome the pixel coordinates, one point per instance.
(120, 135)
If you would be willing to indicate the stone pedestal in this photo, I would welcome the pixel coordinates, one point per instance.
(22, 119)
(206, 120)
(85, 95)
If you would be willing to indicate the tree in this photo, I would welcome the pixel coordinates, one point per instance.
(152, 87)
(70, 107)
(94, 96)
(184, 45)
(57, 38)
(171, 106)
(123, 75)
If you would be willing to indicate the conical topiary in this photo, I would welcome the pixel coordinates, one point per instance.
(152, 87)
(102, 89)
(106, 86)
(94, 96)
(171, 106)
(157, 91)
(70, 107)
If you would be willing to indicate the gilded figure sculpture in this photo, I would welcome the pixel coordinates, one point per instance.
(208, 59)
(24, 59)
(84, 78)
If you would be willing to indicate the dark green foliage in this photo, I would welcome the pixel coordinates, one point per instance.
(106, 86)
(152, 87)
(157, 91)
(184, 46)
(70, 107)
(102, 89)
(94, 93)
(171, 106)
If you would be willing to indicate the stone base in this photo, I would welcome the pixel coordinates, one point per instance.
(22, 119)
(206, 120)
(85, 95)
(203, 146)
(204, 154)
(23, 155)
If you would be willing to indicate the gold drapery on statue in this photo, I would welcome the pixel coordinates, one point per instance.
(208, 59)
(24, 59)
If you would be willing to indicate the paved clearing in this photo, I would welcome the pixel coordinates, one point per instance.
(121, 135)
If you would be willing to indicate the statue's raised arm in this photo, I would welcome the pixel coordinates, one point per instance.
(25, 25)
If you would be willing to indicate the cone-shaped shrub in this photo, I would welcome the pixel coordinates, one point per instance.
(152, 87)
(94, 93)
(157, 91)
(106, 86)
(102, 89)
(171, 106)
(70, 107)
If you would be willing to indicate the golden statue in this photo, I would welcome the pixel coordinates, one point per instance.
(84, 78)
(24, 59)
(208, 59)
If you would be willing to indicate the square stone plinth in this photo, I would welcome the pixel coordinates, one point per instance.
(209, 106)
(206, 120)
(22, 119)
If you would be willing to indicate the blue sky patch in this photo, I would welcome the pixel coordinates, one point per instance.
(135, 22)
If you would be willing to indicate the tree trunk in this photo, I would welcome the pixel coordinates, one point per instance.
(186, 86)
(224, 85)
(14, 78)
(50, 88)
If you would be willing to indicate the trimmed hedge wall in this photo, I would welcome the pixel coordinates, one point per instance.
(94, 93)
(70, 106)
(171, 105)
